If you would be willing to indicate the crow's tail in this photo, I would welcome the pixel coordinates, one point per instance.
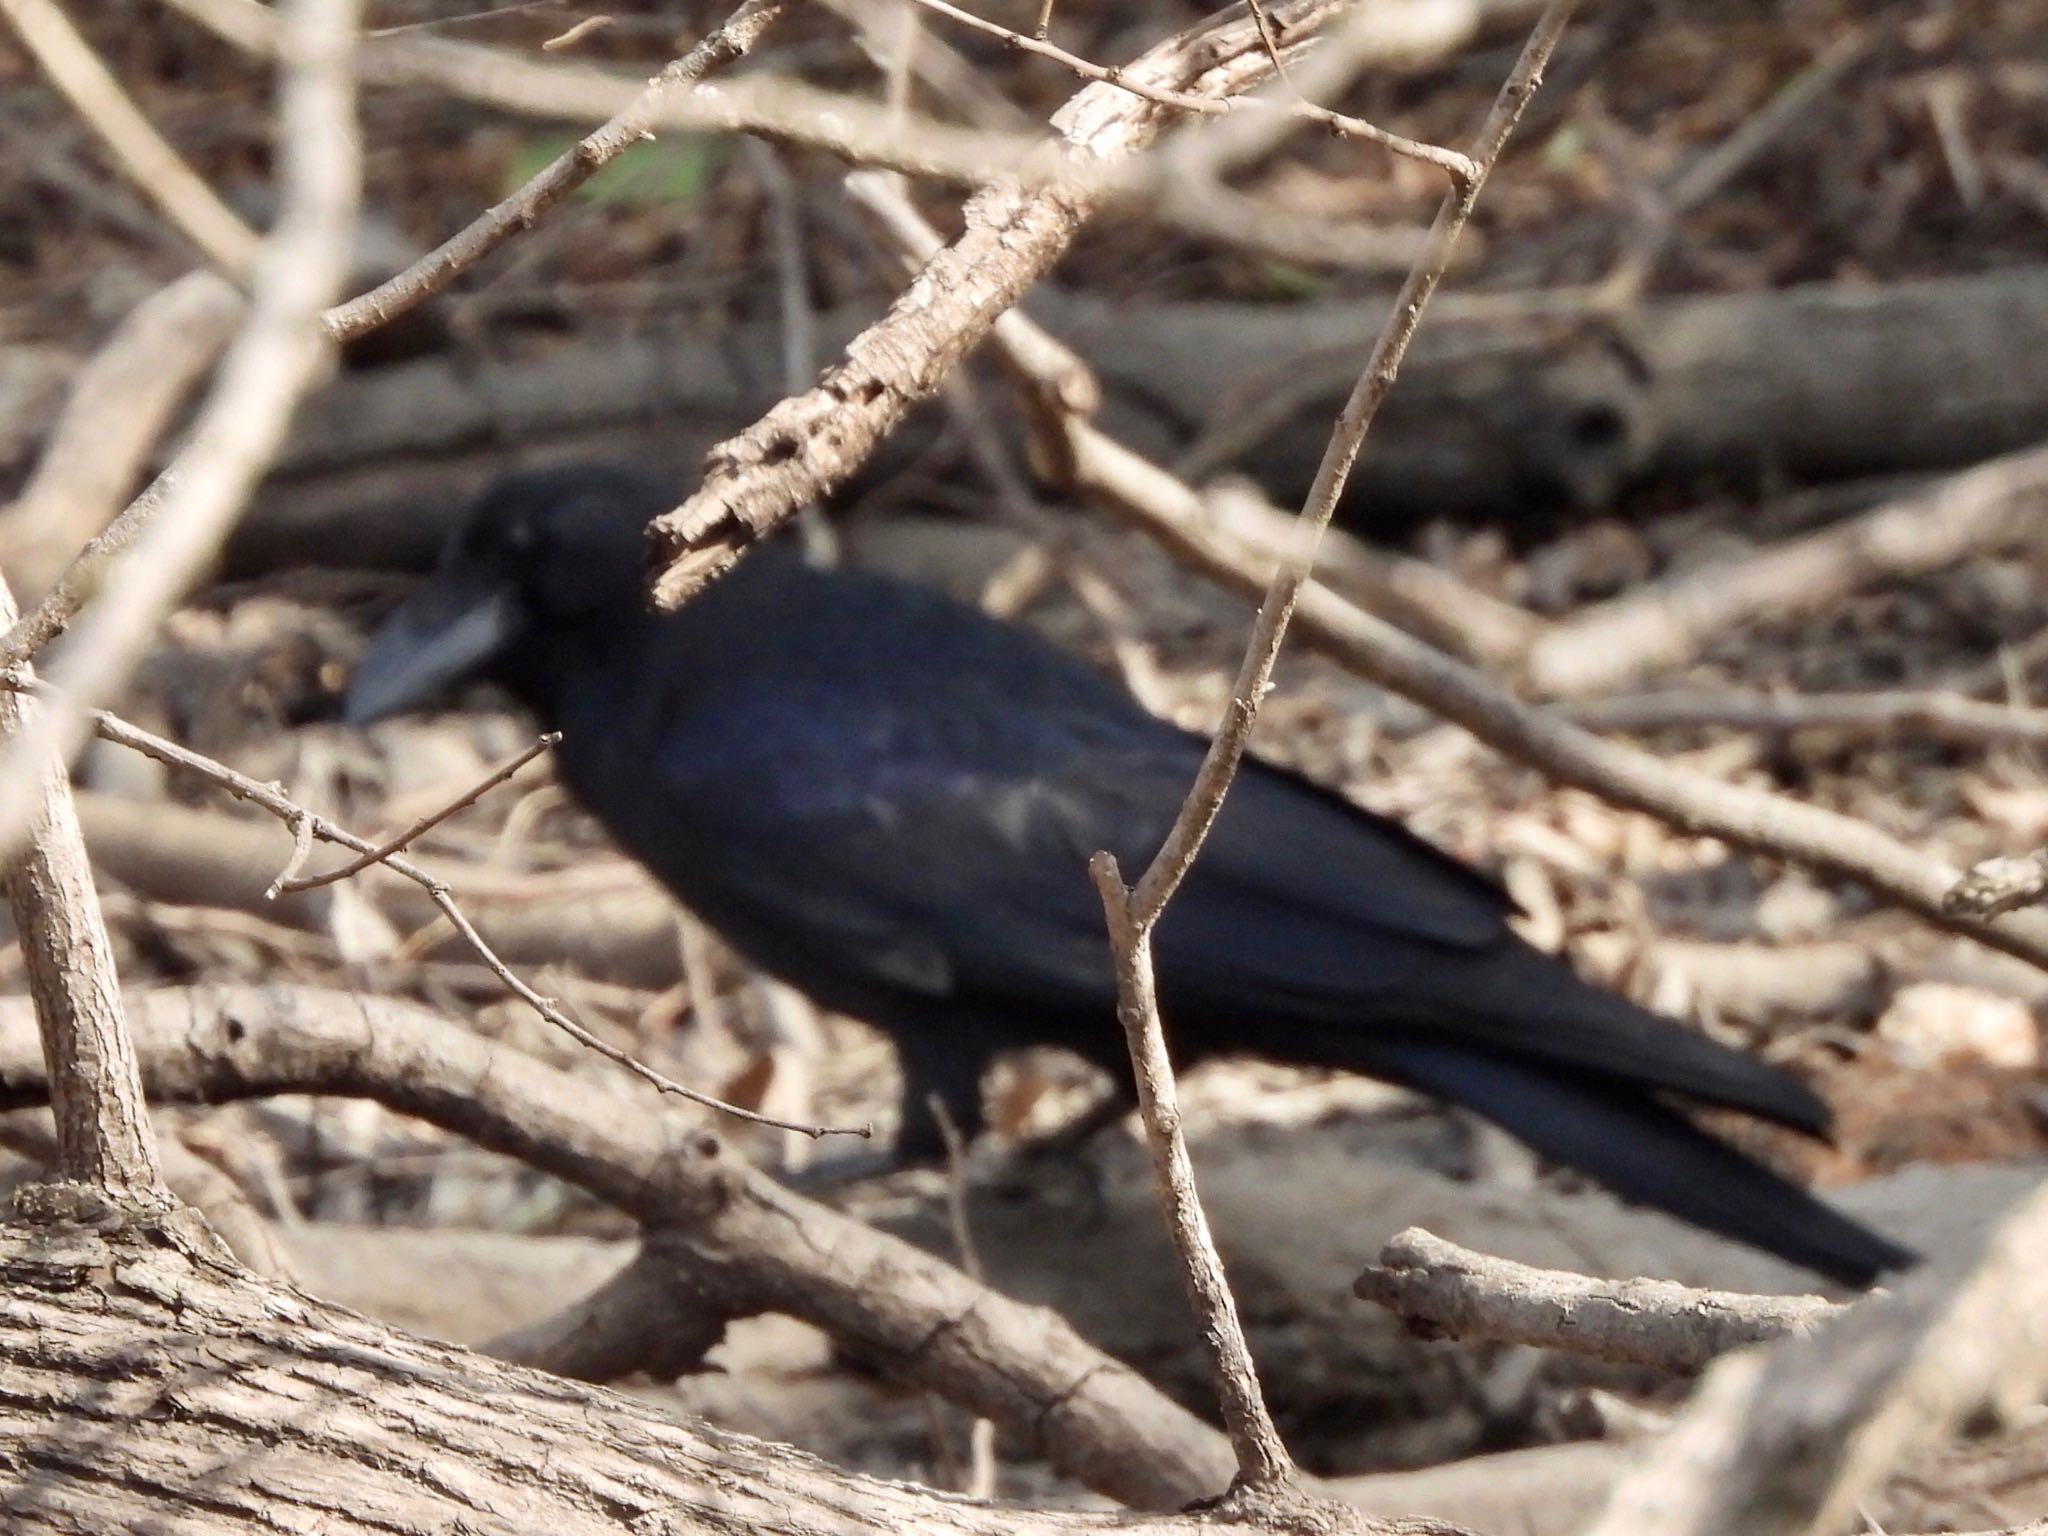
(1645, 1151)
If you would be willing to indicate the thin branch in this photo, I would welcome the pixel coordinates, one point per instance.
(1448, 160)
(174, 528)
(1132, 912)
(290, 882)
(1921, 715)
(723, 45)
(1442, 1290)
(980, 1479)
(1254, 677)
(809, 444)
(1262, 1459)
(305, 823)
(157, 170)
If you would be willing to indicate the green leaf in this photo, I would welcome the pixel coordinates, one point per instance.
(667, 172)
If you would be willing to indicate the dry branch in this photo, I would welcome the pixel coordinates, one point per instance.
(1441, 1289)
(806, 446)
(224, 1403)
(740, 1244)
(1132, 912)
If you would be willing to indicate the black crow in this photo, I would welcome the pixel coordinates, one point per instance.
(887, 799)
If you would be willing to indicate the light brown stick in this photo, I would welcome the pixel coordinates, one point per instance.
(806, 446)
(1132, 912)
(1439, 1288)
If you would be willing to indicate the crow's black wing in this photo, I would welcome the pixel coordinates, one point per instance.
(876, 839)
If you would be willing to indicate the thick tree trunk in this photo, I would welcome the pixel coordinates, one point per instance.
(146, 1382)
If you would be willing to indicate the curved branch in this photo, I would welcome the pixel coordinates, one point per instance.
(740, 1244)
(153, 1385)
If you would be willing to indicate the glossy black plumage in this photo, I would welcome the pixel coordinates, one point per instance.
(887, 799)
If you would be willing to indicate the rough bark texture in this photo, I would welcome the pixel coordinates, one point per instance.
(147, 1383)
(741, 1244)
(103, 1134)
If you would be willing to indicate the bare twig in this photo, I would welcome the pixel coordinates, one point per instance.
(156, 169)
(1132, 912)
(1262, 1458)
(724, 44)
(980, 1481)
(1210, 106)
(809, 444)
(308, 824)
(1922, 716)
(291, 882)
(1254, 677)
(103, 1132)
(172, 530)
(1440, 1289)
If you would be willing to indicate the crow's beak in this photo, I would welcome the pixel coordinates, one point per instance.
(442, 635)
